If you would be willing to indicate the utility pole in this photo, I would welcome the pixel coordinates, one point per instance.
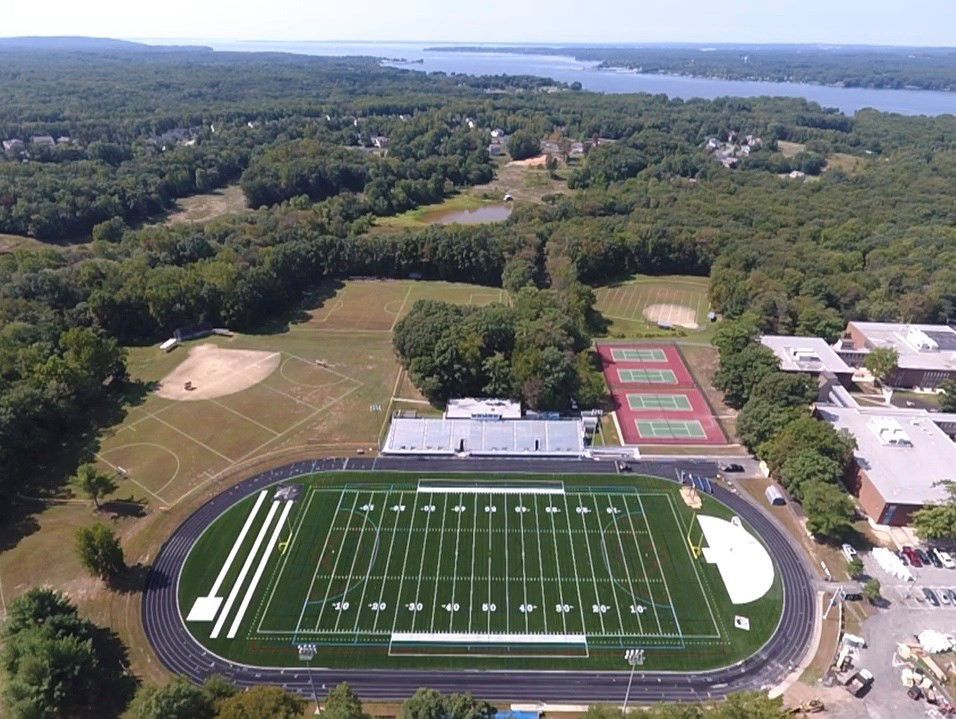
(634, 657)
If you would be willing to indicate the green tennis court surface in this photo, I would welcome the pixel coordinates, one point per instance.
(670, 429)
(647, 376)
(473, 571)
(633, 354)
(666, 402)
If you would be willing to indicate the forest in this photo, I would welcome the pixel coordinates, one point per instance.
(921, 68)
(323, 147)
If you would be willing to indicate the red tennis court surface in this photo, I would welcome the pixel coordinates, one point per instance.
(655, 397)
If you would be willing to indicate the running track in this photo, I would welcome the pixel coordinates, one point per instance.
(181, 654)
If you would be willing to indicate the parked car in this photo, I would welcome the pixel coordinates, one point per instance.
(903, 558)
(931, 596)
(951, 593)
(912, 556)
(946, 558)
(923, 556)
(944, 597)
(933, 559)
(849, 552)
(734, 467)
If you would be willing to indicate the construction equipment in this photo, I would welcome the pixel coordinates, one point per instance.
(858, 682)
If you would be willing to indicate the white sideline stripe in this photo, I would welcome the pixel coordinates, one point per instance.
(482, 638)
(231, 599)
(238, 543)
(260, 570)
(490, 490)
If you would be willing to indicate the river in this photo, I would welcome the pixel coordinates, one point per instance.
(567, 69)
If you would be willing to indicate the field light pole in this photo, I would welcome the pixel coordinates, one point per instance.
(634, 657)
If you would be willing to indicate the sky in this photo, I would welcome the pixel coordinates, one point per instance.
(877, 22)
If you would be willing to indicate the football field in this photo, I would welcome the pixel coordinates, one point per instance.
(454, 568)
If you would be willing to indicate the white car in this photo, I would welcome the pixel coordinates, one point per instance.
(849, 552)
(946, 558)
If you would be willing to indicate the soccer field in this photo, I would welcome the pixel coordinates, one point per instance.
(456, 568)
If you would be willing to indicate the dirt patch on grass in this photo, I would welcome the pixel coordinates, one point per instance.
(205, 207)
(790, 149)
(679, 315)
(215, 372)
(536, 161)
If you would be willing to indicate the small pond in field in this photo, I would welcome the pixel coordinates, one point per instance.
(488, 213)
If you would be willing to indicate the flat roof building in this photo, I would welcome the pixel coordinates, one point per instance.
(900, 459)
(927, 353)
(434, 436)
(808, 354)
(475, 408)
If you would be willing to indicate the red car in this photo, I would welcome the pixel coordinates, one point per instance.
(912, 556)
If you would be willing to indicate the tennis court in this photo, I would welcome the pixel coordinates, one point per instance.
(670, 429)
(657, 400)
(664, 402)
(637, 354)
(647, 376)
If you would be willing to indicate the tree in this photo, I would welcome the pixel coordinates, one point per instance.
(829, 510)
(342, 703)
(430, 704)
(179, 699)
(733, 335)
(805, 466)
(788, 389)
(947, 399)
(93, 483)
(523, 144)
(750, 705)
(760, 419)
(265, 702)
(882, 363)
(739, 372)
(518, 272)
(100, 551)
(938, 521)
(808, 433)
(855, 568)
(871, 590)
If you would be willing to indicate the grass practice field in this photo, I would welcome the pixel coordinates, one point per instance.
(330, 393)
(634, 307)
(402, 570)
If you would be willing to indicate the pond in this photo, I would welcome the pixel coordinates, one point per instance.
(480, 215)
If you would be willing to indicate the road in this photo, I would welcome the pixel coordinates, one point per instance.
(182, 654)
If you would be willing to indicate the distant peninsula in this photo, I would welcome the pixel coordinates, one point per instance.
(67, 43)
(898, 68)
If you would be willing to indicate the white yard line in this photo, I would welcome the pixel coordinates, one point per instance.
(230, 558)
(454, 575)
(418, 586)
(660, 568)
(557, 560)
(441, 545)
(285, 558)
(471, 584)
(544, 597)
(490, 535)
(627, 569)
(190, 437)
(335, 566)
(574, 564)
(680, 526)
(647, 579)
(388, 561)
(398, 315)
(318, 564)
(507, 573)
(613, 586)
(257, 576)
(401, 581)
(524, 570)
(240, 414)
(247, 565)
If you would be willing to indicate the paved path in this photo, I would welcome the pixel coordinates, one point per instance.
(182, 654)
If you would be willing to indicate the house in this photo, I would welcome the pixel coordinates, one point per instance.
(796, 175)
(13, 145)
(576, 150)
(43, 141)
(380, 141)
(927, 353)
(550, 147)
(64, 140)
(900, 459)
(495, 149)
(498, 133)
(712, 143)
(811, 355)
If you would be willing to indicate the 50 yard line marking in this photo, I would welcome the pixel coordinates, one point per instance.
(524, 569)
(490, 535)
(544, 597)
(574, 563)
(557, 562)
(318, 564)
(471, 585)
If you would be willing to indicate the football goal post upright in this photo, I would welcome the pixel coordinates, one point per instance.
(695, 537)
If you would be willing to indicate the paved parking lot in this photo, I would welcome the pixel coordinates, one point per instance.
(910, 594)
